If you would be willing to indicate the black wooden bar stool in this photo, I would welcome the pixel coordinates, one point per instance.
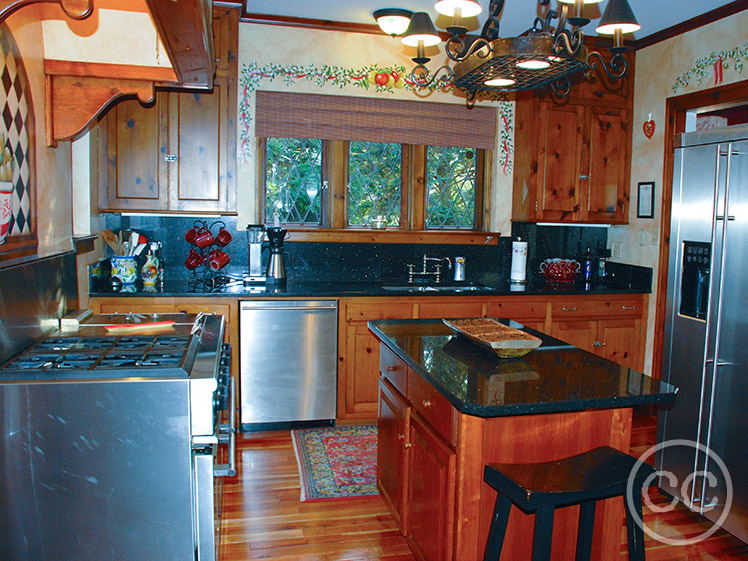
(580, 480)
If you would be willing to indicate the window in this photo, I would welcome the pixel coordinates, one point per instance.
(373, 180)
(338, 163)
(293, 180)
(450, 184)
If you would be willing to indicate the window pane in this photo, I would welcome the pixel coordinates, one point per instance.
(374, 169)
(294, 179)
(450, 185)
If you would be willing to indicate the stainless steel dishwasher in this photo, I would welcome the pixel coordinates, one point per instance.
(288, 362)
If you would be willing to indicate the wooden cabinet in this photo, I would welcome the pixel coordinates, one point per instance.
(358, 360)
(431, 494)
(573, 156)
(416, 465)
(610, 327)
(179, 153)
(392, 447)
(577, 164)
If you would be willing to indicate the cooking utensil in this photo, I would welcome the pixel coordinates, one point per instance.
(133, 242)
(111, 240)
(139, 248)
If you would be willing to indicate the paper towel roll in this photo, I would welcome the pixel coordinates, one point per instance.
(519, 262)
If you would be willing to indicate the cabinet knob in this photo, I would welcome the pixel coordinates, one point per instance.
(390, 368)
(426, 404)
(628, 307)
(598, 344)
(574, 309)
(583, 176)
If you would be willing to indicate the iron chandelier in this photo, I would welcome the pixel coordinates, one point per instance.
(546, 55)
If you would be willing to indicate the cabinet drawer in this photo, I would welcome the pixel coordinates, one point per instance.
(378, 310)
(517, 310)
(597, 308)
(454, 309)
(433, 407)
(393, 369)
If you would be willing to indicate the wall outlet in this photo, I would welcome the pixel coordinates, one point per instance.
(642, 237)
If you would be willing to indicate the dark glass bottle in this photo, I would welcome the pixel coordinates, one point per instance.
(588, 263)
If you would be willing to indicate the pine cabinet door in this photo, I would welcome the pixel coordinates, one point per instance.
(430, 494)
(392, 451)
(560, 157)
(606, 187)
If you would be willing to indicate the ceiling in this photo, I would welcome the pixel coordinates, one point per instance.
(518, 15)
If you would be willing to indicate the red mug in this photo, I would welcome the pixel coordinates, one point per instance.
(191, 234)
(218, 260)
(194, 260)
(204, 238)
(223, 237)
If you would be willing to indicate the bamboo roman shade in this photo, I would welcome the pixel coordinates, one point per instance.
(332, 117)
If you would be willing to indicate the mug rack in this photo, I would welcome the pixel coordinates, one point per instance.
(207, 256)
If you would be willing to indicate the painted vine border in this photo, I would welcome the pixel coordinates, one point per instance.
(381, 80)
(715, 62)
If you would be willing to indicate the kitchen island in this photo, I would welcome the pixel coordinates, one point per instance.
(447, 407)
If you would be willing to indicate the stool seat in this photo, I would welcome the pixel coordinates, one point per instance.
(582, 480)
(598, 474)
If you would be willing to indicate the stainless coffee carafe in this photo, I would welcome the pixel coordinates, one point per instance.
(276, 269)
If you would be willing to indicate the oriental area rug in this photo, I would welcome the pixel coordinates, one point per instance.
(337, 462)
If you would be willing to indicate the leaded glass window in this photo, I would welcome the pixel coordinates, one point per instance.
(294, 180)
(375, 183)
(450, 185)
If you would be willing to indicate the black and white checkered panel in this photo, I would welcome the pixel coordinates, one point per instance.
(17, 119)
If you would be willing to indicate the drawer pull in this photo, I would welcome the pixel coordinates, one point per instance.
(401, 436)
(407, 445)
(426, 404)
(391, 368)
(598, 344)
(574, 309)
(628, 307)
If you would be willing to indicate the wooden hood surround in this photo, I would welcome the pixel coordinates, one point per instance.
(78, 92)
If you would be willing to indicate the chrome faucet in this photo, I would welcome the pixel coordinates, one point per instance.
(425, 273)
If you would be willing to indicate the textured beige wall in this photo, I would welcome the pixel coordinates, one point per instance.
(120, 37)
(657, 69)
(267, 44)
(53, 176)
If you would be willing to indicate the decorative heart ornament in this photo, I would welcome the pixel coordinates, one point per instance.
(649, 128)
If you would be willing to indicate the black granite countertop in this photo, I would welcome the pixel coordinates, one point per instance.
(554, 378)
(234, 287)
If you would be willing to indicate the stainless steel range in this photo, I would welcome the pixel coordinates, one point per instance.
(111, 443)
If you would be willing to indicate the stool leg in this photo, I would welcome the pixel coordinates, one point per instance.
(541, 542)
(498, 528)
(634, 531)
(585, 531)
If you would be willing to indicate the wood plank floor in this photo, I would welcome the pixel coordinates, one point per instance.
(264, 519)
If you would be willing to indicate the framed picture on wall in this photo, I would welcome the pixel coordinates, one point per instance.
(645, 200)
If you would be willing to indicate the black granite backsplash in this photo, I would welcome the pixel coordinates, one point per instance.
(366, 261)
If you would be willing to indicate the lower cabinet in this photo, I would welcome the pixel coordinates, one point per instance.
(612, 326)
(416, 467)
(431, 492)
(392, 447)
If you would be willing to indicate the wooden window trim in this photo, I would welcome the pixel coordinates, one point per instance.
(334, 201)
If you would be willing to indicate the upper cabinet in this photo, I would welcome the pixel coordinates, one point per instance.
(179, 153)
(573, 155)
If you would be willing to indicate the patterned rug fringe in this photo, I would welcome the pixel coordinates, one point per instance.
(336, 462)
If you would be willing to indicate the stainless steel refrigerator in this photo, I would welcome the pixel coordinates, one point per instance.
(706, 329)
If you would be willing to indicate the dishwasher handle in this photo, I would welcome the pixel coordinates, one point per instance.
(257, 306)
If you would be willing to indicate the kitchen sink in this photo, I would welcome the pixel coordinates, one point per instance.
(435, 287)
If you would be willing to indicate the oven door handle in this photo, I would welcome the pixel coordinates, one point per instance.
(227, 433)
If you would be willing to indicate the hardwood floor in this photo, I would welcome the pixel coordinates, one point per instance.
(264, 519)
